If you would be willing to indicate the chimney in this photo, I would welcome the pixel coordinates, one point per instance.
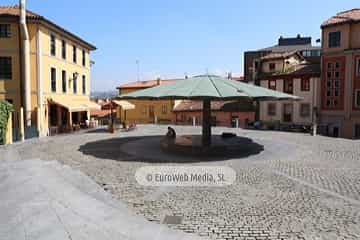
(24, 34)
(158, 81)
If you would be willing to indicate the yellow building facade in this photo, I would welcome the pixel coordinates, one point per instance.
(146, 111)
(59, 71)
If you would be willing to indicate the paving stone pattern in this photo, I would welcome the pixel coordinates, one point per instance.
(299, 187)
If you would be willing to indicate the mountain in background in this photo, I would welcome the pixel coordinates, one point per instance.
(103, 94)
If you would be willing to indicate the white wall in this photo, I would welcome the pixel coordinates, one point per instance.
(308, 97)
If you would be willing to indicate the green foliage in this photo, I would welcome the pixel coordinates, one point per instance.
(5, 110)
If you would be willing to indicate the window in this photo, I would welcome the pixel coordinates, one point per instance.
(63, 81)
(316, 53)
(333, 85)
(63, 49)
(272, 66)
(74, 54)
(271, 109)
(83, 58)
(164, 109)
(83, 84)
(328, 84)
(337, 65)
(357, 98)
(288, 86)
(272, 84)
(74, 83)
(5, 68)
(358, 67)
(305, 84)
(307, 53)
(53, 79)
(334, 39)
(328, 103)
(305, 110)
(5, 31)
(52, 45)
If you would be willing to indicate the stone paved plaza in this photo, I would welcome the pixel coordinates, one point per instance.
(297, 187)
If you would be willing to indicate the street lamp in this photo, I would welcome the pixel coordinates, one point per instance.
(75, 76)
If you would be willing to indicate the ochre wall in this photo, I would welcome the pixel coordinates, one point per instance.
(345, 37)
(141, 113)
(222, 118)
(9, 47)
(10, 89)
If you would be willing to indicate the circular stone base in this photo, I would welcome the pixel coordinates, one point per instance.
(192, 145)
(153, 149)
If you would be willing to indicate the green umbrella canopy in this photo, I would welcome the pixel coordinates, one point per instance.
(208, 87)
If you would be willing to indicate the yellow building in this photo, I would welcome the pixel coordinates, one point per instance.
(146, 111)
(45, 69)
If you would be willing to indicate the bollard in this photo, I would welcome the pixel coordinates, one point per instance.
(21, 124)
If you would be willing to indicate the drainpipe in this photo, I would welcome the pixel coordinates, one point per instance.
(39, 83)
(24, 34)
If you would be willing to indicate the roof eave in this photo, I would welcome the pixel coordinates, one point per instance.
(339, 23)
(42, 20)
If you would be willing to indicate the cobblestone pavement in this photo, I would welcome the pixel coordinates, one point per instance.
(299, 187)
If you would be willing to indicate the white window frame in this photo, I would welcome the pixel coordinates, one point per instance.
(83, 84)
(74, 47)
(66, 81)
(56, 77)
(50, 35)
(64, 40)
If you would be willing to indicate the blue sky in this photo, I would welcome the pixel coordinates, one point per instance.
(170, 38)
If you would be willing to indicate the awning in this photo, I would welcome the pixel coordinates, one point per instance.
(125, 105)
(73, 104)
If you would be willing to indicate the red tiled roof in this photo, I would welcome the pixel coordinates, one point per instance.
(225, 106)
(197, 106)
(241, 78)
(146, 84)
(352, 15)
(310, 69)
(279, 55)
(303, 69)
(100, 113)
(14, 11)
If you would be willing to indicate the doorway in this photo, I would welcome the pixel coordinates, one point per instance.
(152, 112)
(288, 112)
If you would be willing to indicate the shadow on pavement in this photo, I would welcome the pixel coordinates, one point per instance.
(148, 149)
